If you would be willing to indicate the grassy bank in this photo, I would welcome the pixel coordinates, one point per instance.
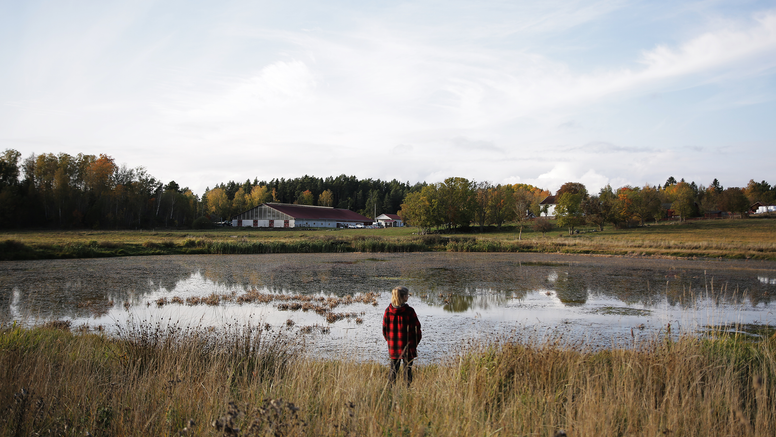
(151, 381)
(739, 239)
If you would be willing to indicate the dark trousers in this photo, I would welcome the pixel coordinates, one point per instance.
(395, 364)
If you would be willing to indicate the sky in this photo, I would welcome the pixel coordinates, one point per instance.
(538, 92)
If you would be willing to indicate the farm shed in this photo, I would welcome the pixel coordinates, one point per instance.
(390, 220)
(283, 215)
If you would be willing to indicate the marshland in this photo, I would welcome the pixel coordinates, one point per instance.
(290, 343)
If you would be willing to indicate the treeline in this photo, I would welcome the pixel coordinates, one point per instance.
(459, 202)
(88, 191)
(368, 196)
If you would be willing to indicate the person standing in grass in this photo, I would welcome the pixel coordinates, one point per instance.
(401, 329)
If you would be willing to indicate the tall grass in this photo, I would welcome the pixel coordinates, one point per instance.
(155, 380)
(753, 239)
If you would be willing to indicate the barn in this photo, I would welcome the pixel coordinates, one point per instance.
(390, 220)
(283, 215)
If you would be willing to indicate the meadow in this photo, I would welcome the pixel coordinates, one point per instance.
(735, 239)
(246, 381)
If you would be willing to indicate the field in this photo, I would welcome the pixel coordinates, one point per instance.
(248, 381)
(741, 239)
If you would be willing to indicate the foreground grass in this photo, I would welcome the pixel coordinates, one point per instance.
(152, 381)
(738, 239)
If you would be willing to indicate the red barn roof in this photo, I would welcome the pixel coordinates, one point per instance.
(308, 212)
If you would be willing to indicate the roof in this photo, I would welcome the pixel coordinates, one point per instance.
(389, 216)
(318, 212)
(549, 200)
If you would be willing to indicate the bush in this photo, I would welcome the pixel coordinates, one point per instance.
(542, 224)
(202, 223)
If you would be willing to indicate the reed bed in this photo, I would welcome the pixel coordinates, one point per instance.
(745, 239)
(154, 380)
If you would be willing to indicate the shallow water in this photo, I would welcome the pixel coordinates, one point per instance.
(584, 300)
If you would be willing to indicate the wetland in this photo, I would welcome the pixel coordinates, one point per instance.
(335, 301)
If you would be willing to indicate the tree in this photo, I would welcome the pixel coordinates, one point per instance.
(760, 192)
(456, 199)
(421, 209)
(684, 203)
(305, 198)
(593, 209)
(500, 208)
(521, 203)
(259, 195)
(484, 192)
(9, 168)
(733, 200)
(609, 207)
(569, 211)
(218, 203)
(326, 198)
(646, 204)
(241, 201)
(573, 188)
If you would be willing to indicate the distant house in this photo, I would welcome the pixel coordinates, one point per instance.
(390, 220)
(550, 203)
(761, 208)
(283, 215)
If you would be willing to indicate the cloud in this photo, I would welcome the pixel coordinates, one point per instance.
(467, 144)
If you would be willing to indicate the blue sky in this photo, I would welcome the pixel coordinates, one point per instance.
(540, 92)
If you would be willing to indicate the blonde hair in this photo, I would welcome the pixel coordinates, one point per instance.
(399, 296)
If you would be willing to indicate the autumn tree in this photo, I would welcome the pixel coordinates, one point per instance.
(684, 200)
(522, 199)
(569, 207)
(484, 192)
(573, 188)
(646, 204)
(593, 209)
(500, 208)
(218, 203)
(421, 209)
(760, 192)
(259, 194)
(733, 200)
(326, 198)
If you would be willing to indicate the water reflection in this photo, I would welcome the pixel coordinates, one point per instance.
(486, 291)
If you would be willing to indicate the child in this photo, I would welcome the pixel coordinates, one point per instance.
(401, 329)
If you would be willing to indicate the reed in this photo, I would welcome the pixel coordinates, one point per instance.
(166, 380)
(743, 239)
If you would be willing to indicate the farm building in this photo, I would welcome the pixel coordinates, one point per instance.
(390, 220)
(549, 203)
(282, 215)
(764, 209)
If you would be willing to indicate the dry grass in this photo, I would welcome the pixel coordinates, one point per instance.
(740, 238)
(247, 381)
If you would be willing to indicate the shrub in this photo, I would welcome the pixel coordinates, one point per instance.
(202, 223)
(542, 224)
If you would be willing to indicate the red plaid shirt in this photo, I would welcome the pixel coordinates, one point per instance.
(401, 329)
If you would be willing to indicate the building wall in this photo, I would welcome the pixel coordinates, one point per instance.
(264, 223)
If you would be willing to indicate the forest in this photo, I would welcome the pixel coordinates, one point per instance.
(88, 191)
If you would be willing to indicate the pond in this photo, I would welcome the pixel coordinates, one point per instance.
(336, 301)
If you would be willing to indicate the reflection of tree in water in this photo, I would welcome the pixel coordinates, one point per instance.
(85, 288)
(462, 303)
(79, 288)
(571, 289)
